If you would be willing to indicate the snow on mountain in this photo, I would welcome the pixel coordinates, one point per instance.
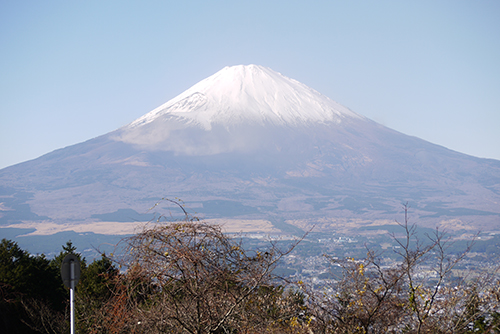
(228, 110)
(249, 143)
(252, 93)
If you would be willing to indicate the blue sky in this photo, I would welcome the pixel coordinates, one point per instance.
(73, 70)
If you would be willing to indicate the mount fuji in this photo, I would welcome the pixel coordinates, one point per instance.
(236, 110)
(255, 151)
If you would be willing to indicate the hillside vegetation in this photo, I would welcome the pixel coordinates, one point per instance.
(189, 277)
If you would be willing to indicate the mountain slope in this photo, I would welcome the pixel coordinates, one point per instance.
(251, 145)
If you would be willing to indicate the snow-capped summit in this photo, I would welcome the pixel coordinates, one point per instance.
(236, 97)
(252, 93)
(260, 151)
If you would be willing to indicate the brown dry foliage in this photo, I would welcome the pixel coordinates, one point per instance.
(189, 277)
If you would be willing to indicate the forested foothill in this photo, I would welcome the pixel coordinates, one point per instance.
(189, 277)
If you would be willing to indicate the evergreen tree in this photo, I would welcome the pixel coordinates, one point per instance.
(93, 292)
(28, 285)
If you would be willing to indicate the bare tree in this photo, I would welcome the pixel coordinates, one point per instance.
(372, 298)
(365, 299)
(189, 277)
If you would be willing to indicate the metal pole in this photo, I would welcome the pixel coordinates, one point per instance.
(71, 292)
